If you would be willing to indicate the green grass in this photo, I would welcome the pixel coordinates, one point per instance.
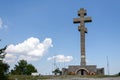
(25, 77)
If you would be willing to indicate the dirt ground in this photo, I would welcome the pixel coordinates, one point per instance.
(118, 78)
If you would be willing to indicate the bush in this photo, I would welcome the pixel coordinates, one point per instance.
(119, 74)
(71, 73)
(3, 77)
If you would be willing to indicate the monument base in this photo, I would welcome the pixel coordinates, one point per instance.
(83, 70)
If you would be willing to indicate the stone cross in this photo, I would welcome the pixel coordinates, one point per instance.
(83, 30)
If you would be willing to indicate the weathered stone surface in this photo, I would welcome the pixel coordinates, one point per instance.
(83, 70)
(82, 12)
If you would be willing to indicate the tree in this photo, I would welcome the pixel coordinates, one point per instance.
(3, 66)
(30, 68)
(23, 68)
(57, 71)
(3, 70)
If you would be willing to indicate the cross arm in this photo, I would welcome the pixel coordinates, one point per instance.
(78, 20)
(88, 19)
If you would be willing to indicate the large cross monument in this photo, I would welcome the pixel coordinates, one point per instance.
(83, 30)
(83, 68)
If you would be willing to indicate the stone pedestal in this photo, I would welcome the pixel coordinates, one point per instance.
(80, 70)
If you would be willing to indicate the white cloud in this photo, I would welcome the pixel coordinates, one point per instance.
(30, 49)
(28, 58)
(1, 23)
(9, 58)
(61, 58)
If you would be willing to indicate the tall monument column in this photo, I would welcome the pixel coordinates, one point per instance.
(83, 30)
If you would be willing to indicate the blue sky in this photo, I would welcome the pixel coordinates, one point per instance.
(50, 23)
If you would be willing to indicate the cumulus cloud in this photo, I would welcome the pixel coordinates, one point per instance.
(28, 58)
(9, 58)
(61, 58)
(30, 49)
